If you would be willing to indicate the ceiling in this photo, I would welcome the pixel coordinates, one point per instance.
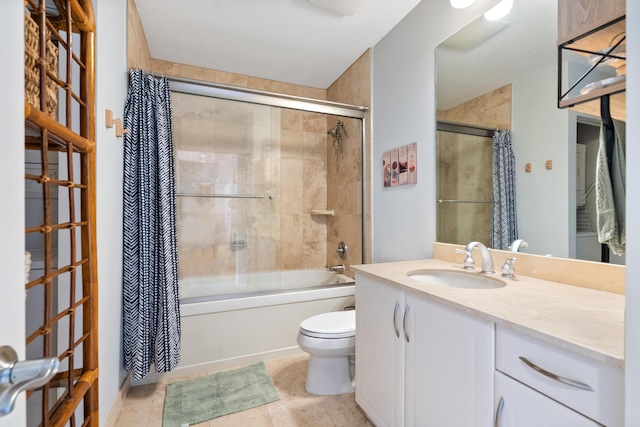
(485, 56)
(292, 41)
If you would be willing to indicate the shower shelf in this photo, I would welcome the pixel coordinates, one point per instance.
(323, 212)
(222, 196)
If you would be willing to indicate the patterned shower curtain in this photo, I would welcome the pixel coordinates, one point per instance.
(504, 224)
(151, 311)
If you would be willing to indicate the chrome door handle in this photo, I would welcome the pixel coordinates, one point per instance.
(20, 376)
(395, 319)
(404, 323)
(498, 419)
(555, 377)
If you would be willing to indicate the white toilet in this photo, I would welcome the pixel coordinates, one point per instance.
(330, 340)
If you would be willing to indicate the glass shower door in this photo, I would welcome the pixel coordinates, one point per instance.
(227, 168)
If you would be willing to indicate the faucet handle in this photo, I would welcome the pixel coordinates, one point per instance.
(469, 263)
(508, 270)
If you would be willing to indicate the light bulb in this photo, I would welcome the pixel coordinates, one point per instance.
(461, 4)
(499, 11)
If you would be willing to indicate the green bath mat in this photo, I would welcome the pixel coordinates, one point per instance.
(203, 398)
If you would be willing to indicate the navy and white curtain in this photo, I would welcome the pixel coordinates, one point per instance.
(504, 224)
(151, 311)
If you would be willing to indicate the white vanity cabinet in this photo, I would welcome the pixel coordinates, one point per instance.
(379, 351)
(420, 363)
(449, 363)
(518, 405)
(538, 383)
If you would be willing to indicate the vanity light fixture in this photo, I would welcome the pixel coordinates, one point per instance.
(461, 4)
(499, 11)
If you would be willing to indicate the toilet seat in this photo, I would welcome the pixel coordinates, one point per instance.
(338, 324)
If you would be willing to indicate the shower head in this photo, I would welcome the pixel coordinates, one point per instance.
(337, 131)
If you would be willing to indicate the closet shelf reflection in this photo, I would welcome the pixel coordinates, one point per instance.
(222, 196)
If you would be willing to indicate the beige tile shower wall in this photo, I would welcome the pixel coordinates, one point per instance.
(492, 110)
(302, 168)
(303, 187)
(344, 172)
(215, 76)
(138, 55)
(344, 169)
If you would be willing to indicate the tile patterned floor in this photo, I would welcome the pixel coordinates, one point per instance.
(144, 405)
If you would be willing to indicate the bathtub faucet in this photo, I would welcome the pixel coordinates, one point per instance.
(337, 268)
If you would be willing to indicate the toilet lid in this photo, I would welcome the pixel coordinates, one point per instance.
(336, 324)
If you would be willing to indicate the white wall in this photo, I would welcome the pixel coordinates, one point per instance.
(12, 178)
(543, 132)
(111, 17)
(632, 321)
(404, 218)
(403, 111)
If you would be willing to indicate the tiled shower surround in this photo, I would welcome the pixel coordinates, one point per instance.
(234, 148)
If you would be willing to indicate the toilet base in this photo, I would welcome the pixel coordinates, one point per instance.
(329, 375)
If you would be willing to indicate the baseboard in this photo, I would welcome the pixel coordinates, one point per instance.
(203, 368)
(116, 408)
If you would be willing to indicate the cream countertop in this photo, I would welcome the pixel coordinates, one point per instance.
(587, 321)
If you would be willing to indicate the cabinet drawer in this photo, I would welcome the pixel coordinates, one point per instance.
(563, 375)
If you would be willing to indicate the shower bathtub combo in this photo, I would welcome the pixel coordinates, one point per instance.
(248, 275)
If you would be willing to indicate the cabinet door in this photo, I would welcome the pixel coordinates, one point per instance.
(379, 351)
(520, 406)
(449, 364)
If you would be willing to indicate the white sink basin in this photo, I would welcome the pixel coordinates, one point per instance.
(456, 279)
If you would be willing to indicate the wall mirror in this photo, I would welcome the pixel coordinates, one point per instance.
(504, 75)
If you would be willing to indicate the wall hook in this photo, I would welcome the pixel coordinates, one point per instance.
(111, 122)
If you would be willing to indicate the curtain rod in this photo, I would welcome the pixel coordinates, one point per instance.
(463, 201)
(465, 129)
(201, 87)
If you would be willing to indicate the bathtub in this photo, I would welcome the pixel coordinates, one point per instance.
(221, 331)
(197, 289)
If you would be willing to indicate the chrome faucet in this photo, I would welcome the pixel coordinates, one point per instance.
(487, 261)
(508, 270)
(517, 244)
(469, 263)
(337, 268)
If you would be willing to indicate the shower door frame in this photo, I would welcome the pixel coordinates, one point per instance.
(274, 99)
